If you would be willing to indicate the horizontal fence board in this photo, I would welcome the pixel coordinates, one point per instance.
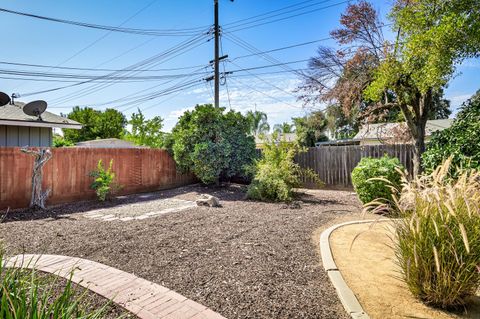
(66, 174)
(334, 164)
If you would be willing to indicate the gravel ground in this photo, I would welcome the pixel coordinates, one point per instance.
(244, 260)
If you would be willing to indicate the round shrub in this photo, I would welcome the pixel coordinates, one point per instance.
(368, 168)
(213, 144)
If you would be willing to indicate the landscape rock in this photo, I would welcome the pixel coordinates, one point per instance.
(208, 200)
(293, 205)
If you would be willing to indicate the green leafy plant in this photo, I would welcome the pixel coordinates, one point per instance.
(26, 294)
(96, 124)
(437, 246)
(60, 141)
(146, 132)
(461, 141)
(370, 175)
(104, 181)
(276, 174)
(212, 144)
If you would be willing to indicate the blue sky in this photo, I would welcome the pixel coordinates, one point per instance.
(35, 41)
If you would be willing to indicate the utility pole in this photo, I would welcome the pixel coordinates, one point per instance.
(217, 57)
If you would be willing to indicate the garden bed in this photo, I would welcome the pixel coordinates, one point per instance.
(89, 300)
(246, 259)
(368, 267)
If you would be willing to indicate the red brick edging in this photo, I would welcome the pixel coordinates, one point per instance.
(141, 297)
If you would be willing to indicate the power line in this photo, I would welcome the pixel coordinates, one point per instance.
(95, 69)
(63, 77)
(225, 77)
(267, 57)
(267, 13)
(90, 77)
(267, 95)
(281, 64)
(106, 34)
(274, 14)
(266, 82)
(150, 32)
(162, 59)
(238, 28)
(140, 64)
(135, 95)
(282, 48)
(103, 36)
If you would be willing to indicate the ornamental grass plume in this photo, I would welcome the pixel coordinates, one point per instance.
(438, 236)
(28, 294)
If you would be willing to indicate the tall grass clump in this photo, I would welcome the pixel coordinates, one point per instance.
(26, 294)
(438, 236)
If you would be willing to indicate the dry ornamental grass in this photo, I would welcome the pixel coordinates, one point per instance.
(438, 247)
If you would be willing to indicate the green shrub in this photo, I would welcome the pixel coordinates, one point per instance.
(212, 144)
(276, 174)
(438, 246)
(60, 141)
(461, 141)
(25, 294)
(368, 178)
(104, 181)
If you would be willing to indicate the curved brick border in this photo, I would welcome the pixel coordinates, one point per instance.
(141, 297)
(346, 295)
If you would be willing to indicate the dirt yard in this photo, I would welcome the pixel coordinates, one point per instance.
(366, 259)
(244, 260)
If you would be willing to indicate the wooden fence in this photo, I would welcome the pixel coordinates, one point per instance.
(334, 164)
(67, 173)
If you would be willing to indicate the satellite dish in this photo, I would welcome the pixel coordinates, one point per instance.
(35, 108)
(4, 99)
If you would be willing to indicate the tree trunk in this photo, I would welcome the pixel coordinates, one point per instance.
(38, 196)
(418, 148)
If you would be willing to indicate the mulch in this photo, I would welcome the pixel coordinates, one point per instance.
(246, 259)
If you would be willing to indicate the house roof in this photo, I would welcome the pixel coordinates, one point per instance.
(386, 130)
(108, 143)
(13, 115)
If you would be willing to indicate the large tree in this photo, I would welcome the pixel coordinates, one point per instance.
(337, 77)
(96, 124)
(284, 128)
(433, 37)
(146, 132)
(310, 128)
(258, 122)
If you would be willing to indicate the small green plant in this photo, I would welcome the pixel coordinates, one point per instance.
(437, 245)
(103, 182)
(60, 141)
(370, 175)
(276, 174)
(26, 294)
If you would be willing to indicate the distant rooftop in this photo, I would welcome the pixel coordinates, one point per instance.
(387, 130)
(108, 143)
(13, 115)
